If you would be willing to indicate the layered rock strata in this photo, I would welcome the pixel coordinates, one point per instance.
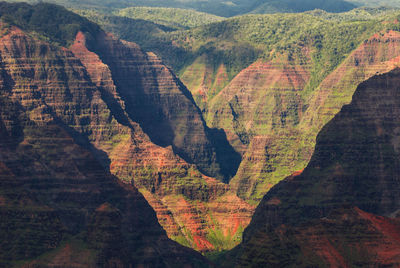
(342, 209)
(163, 176)
(134, 116)
(53, 193)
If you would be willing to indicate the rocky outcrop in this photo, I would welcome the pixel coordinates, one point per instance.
(355, 164)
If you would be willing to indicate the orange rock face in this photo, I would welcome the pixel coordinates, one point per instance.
(137, 118)
(54, 178)
(177, 191)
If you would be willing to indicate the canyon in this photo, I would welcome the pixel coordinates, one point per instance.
(139, 122)
(112, 156)
(273, 110)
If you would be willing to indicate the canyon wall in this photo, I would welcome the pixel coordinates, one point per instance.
(342, 210)
(139, 122)
(59, 206)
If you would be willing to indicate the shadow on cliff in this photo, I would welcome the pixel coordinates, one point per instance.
(168, 117)
(11, 133)
(226, 156)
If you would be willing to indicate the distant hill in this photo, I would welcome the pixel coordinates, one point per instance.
(357, 14)
(171, 17)
(146, 32)
(295, 6)
(52, 22)
(216, 7)
(376, 3)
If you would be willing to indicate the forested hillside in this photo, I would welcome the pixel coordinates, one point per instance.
(216, 7)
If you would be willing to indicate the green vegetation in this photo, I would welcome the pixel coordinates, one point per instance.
(376, 3)
(317, 39)
(364, 13)
(145, 33)
(218, 7)
(222, 241)
(238, 42)
(274, 6)
(215, 236)
(53, 22)
(171, 17)
(185, 239)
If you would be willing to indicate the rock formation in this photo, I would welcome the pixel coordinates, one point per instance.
(341, 210)
(135, 118)
(52, 192)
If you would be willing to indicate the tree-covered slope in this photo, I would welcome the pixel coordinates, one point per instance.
(219, 7)
(52, 22)
(274, 6)
(358, 14)
(171, 17)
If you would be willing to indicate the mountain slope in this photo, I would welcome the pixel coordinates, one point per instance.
(53, 189)
(261, 79)
(30, 17)
(264, 108)
(273, 109)
(355, 164)
(137, 119)
(170, 17)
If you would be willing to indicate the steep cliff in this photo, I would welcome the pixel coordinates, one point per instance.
(52, 190)
(135, 117)
(167, 181)
(139, 88)
(355, 164)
